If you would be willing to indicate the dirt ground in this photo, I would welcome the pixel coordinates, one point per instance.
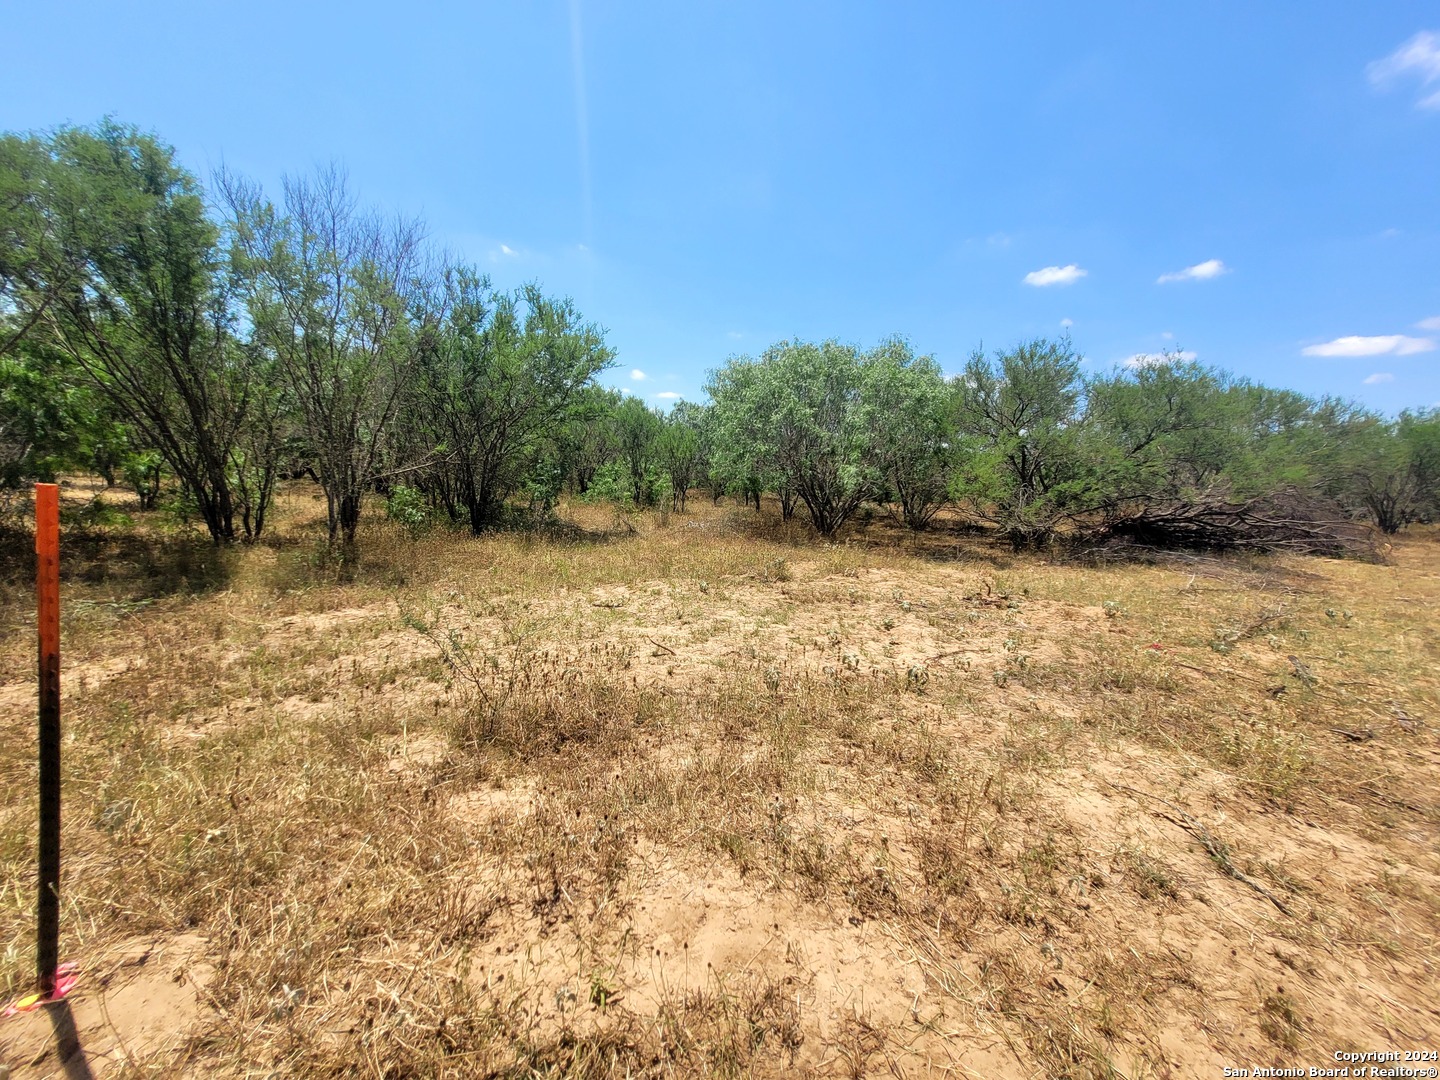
(698, 794)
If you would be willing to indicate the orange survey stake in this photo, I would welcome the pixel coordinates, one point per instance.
(47, 608)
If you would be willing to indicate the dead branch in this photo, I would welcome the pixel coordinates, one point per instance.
(1293, 521)
(1214, 848)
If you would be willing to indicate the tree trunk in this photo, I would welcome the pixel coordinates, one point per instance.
(349, 519)
(788, 499)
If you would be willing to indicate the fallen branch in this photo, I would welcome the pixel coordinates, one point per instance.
(1292, 520)
(1214, 848)
(1302, 671)
(944, 655)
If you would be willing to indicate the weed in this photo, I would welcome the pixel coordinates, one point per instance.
(586, 797)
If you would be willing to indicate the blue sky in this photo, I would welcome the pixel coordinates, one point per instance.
(706, 178)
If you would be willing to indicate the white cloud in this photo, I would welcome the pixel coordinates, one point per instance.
(734, 335)
(1432, 323)
(668, 395)
(1168, 336)
(1381, 345)
(637, 375)
(1419, 57)
(1055, 275)
(996, 241)
(1067, 323)
(1140, 360)
(1379, 377)
(624, 390)
(506, 249)
(1210, 268)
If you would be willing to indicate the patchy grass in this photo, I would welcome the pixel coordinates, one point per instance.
(700, 795)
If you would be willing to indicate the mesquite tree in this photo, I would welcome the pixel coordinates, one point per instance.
(794, 418)
(328, 290)
(682, 449)
(496, 383)
(909, 409)
(1020, 425)
(122, 272)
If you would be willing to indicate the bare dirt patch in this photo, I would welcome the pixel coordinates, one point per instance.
(641, 806)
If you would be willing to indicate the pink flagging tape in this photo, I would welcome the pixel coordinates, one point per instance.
(66, 976)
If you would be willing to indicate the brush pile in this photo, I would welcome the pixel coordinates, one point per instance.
(1292, 521)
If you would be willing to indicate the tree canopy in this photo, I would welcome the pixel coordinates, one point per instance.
(149, 333)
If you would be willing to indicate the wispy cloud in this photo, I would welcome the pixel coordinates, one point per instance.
(1143, 360)
(1379, 377)
(501, 252)
(1210, 268)
(1432, 323)
(1055, 275)
(668, 395)
(637, 374)
(734, 335)
(1418, 58)
(996, 241)
(1380, 345)
(582, 115)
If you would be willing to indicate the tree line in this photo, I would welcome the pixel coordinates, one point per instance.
(1024, 440)
(213, 342)
(230, 338)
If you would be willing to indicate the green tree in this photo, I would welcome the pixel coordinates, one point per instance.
(909, 410)
(328, 290)
(681, 449)
(33, 271)
(49, 416)
(589, 440)
(638, 432)
(1420, 432)
(498, 378)
(794, 420)
(122, 273)
(1020, 422)
(1169, 429)
(1381, 468)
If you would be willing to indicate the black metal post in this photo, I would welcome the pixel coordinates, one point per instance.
(47, 593)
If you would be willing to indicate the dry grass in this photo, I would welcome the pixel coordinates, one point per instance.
(708, 797)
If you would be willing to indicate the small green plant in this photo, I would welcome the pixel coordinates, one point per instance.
(407, 507)
(97, 514)
(776, 570)
(142, 473)
(600, 992)
(610, 484)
